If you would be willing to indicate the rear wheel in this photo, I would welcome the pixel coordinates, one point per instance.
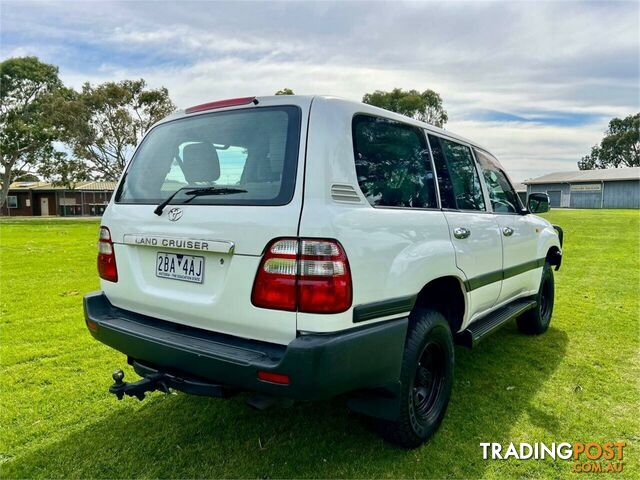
(426, 377)
(537, 320)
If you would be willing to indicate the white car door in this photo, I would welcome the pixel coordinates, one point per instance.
(521, 267)
(474, 231)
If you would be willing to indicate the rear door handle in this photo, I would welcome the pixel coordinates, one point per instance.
(461, 232)
(507, 232)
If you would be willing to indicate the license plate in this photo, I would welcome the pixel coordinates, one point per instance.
(188, 268)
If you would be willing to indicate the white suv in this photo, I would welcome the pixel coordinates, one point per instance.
(304, 247)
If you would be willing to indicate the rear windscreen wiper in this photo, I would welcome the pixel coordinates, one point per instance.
(197, 192)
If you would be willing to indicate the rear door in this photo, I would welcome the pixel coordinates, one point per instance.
(195, 262)
(474, 231)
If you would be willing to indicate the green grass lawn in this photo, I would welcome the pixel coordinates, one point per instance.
(578, 382)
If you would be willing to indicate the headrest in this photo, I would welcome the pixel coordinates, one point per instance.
(200, 163)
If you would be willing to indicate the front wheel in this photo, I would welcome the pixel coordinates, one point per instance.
(536, 321)
(426, 378)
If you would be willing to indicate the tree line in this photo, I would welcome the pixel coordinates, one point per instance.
(66, 136)
(50, 131)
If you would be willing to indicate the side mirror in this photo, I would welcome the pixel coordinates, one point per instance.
(538, 202)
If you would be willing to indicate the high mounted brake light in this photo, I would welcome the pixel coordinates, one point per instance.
(107, 268)
(231, 102)
(307, 275)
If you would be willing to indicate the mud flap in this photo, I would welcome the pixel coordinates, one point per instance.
(383, 403)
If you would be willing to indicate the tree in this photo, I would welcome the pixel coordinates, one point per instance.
(63, 171)
(590, 162)
(27, 131)
(104, 123)
(424, 106)
(620, 146)
(285, 91)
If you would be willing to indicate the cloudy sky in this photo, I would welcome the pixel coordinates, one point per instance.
(535, 82)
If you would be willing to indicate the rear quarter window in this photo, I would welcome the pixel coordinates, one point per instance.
(392, 163)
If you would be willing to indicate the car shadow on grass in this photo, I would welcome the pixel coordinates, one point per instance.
(180, 436)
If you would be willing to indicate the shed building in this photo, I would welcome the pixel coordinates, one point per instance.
(45, 199)
(604, 188)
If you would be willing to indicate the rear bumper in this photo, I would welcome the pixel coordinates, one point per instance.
(318, 365)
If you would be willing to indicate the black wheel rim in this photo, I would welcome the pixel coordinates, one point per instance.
(545, 299)
(428, 380)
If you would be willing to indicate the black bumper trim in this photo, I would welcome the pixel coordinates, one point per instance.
(319, 365)
(370, 311)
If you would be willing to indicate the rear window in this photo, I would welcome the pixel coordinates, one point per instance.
(248, 156)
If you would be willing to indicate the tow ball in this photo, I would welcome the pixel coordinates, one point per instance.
(137, 389)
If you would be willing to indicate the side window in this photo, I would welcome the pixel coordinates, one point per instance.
(503, 197)
(392, 163)
(457, 175)
(12, 201)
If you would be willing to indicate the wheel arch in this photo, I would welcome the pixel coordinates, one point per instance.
(447, 295)
(550, 246)
(554, 256)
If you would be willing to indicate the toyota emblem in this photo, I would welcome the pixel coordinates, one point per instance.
(175, 214)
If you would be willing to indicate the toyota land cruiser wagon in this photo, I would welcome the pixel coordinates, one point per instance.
(302, 247)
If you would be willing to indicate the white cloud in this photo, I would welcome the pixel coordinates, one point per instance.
(532, 60)
(183, 40)
(527, 149)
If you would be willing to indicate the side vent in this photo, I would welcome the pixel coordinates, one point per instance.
(344, 193)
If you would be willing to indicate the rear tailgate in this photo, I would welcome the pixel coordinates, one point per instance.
(211, 233)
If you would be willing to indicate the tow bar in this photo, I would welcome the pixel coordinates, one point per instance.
(137, 389)
(153, 380)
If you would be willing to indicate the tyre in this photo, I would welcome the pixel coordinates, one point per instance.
(426, 380)
(536, 321)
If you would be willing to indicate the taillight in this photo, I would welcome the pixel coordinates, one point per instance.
(107, 268)
(308, 275)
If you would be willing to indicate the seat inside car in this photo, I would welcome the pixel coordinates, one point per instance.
(200, 163)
